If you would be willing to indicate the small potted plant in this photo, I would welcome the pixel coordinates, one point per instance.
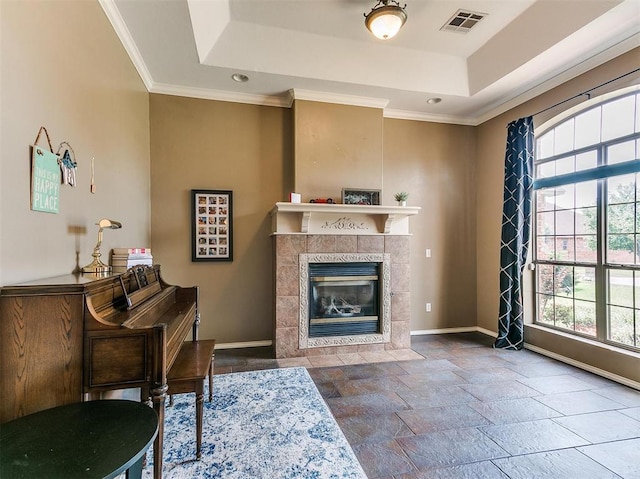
(401, 198)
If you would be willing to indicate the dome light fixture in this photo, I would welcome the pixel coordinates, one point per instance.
(385, 19)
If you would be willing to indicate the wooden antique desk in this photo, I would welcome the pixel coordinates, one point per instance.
(93, 439)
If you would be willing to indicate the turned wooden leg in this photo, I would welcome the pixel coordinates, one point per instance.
(159, 396)
(211, 381)
(199, 413)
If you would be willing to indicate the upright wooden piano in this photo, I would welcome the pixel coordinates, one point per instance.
(70, 338)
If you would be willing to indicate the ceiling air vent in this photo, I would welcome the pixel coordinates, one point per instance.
(463, 21)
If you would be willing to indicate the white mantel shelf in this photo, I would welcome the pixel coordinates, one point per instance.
(323, 218)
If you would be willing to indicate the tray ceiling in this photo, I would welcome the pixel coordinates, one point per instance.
(320, 50)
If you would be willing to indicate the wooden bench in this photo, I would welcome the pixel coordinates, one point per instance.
(192, 366)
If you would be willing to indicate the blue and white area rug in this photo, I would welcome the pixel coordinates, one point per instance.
(270, 424)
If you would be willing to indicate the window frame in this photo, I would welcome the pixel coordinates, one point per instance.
(600, 173)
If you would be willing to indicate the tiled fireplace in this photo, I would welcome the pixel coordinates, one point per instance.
(306, 234)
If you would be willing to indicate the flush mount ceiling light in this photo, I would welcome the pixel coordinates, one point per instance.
(385, 19)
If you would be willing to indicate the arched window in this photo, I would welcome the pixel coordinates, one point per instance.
(587, 227)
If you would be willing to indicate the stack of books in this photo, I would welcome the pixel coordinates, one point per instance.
(124, 258)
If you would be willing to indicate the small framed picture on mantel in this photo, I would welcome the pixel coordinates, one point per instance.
(352, 196)
(212, 225)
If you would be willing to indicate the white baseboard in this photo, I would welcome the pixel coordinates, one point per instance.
(488, 332)
(247, 344)
(268, 342)
(586, 367)
(468, 329)
(423, 332)
(536, 349)
(465, 329)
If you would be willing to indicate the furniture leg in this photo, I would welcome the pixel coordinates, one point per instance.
(199, 414)
(188, 374)
(135, 471)
(159, 396)
(211, 381)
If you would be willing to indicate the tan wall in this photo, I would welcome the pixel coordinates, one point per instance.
(336, 146)
(64, 68)
(435, 164)
(202, 144)
(248, 149)
(490, 179)
(339, 146)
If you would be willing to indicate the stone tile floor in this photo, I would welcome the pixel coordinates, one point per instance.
(453, 407)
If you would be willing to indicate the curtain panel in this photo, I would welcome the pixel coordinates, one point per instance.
(516, 221)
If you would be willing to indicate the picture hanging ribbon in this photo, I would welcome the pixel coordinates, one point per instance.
(68, 166)
(45, 177)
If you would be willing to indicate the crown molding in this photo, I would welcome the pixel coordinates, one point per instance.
(622, 44)
(286, 101)
(120, 27)
(220, 95)
(619, 48)
(352, 100)
(435, 118)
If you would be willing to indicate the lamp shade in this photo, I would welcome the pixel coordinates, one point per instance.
(385, 21)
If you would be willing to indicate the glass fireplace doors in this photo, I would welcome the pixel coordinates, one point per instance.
(343, 299)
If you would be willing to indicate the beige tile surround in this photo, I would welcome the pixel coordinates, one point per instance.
(288, 247)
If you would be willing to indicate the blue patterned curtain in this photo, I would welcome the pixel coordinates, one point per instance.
(516, 218)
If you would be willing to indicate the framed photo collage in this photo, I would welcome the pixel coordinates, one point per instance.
(212, 223)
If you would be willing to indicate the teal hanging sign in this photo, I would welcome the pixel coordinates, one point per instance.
(45, 180)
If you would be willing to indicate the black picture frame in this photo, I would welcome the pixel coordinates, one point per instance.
(212, 225)
(358, 196)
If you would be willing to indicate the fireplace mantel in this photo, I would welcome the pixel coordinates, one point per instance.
(332, 219)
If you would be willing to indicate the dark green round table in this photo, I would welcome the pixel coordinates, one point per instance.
(94, 439)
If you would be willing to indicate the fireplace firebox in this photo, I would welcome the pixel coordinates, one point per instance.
(343, 299)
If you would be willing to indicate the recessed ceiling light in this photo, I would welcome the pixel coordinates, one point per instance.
(433, 101)
(240, 78)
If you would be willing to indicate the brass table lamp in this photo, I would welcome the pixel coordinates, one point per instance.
(97, 266)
